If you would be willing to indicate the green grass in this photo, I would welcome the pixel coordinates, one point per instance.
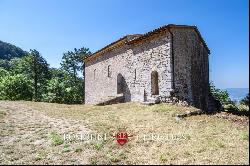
(56, 139)
(38, 157)
(163, 158)
(78, 150)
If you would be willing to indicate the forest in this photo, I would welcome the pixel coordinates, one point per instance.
(26, 75)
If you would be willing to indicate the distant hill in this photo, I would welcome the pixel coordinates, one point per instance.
(9, 51)
(236, 94)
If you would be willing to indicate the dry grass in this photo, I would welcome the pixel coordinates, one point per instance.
(199, 139)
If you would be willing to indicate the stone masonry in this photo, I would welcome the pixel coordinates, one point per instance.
(166, 63)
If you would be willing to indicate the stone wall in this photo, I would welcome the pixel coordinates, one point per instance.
(134, 63)
(191, 70)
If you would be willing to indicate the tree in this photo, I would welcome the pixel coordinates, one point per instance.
(73, 94)
(9, 51)
(3, 73)
(81, 54)
(54, 92)
(35, 67)
(57, 73)
(69, 63)
(4, 64)
(245, 100)
(221, 95)
(61, 91)
(17, 87)
(72, 61)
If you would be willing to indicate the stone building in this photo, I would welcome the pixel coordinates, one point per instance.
(168, 62)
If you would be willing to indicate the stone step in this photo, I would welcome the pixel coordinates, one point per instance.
(148, 103)
(111, 100)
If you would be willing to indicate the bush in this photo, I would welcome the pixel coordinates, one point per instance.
(73, 95)
(3, 72)
(243, 108)
(245, 101)
(54, 91)
(16, 87)
(230, 107)
(221, 95)
(63, 91)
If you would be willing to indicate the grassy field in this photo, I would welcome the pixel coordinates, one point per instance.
(33, 133)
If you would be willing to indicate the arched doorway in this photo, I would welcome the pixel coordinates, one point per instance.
(120, 84)
(154, 83)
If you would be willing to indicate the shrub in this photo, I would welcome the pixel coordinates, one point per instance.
(54, 91)
(230, 108)
(63, 91)
(243, 108)
(16, 87)
(56, 139)
(245, 100)
(3, 72)
(221, 95)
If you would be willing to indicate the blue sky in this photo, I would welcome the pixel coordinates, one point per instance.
(56, 26)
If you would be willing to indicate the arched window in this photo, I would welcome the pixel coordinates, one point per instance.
(109, 71)
(154, 83)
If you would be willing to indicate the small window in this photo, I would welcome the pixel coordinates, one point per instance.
(109, 71)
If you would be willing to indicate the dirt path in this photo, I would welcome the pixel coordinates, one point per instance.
(29, 136)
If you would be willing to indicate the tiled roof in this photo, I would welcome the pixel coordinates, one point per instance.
(130, 39)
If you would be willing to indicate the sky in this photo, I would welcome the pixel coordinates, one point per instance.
(56, 26)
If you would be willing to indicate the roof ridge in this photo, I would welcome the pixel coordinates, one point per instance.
(145, 35)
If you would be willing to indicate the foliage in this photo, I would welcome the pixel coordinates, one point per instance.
(35, 67)
(230, 107)
(4, 64)
(245, 100)
(41, 83)
(221, 95)
(63, 90)
(74, 92)
(59, 73)
(9, 51)
(72, 61)
(3, 73)
(54, 91)
(243, 107)
(17, 87)
(56, 138)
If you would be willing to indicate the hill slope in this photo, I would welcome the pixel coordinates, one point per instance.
(9, 51)
(33, 132)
